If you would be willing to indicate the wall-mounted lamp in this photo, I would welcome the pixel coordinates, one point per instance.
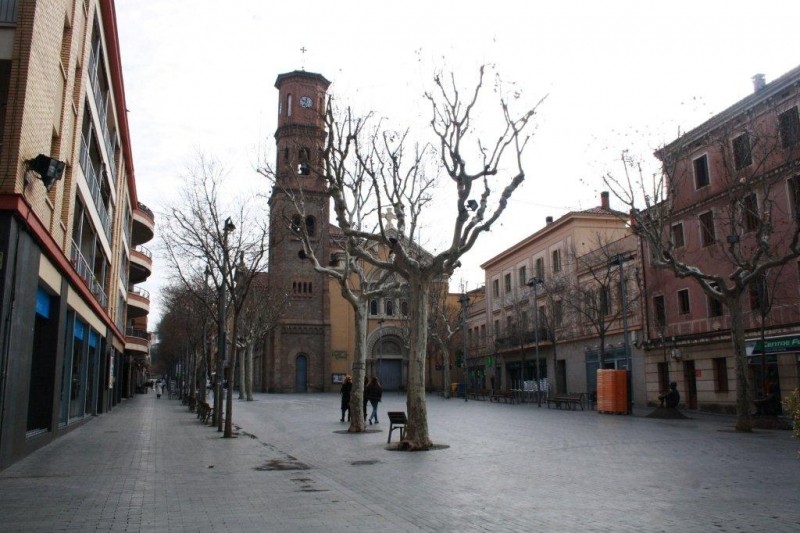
(50, 170)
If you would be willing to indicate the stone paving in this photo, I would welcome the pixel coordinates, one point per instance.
(149, 465)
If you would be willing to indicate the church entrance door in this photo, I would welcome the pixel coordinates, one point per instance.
(389, 374)
(301, 373)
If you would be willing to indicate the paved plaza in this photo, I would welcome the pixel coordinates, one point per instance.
(150, 465)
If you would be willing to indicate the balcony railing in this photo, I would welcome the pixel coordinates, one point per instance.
(85, 272)
(141, 292)
(516, 340)
(138, 333)
(146, 209)
(94, 188)
(144, 251)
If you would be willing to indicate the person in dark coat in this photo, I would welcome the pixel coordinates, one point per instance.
(347, 387)
(373, 393)
(672, 397)
(364, 396)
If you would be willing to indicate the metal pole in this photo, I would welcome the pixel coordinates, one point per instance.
(536, 344)
(380, 349)
(222, 325)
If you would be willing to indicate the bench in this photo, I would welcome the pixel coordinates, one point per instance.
(397, 420)
(506, 397)
(479, 395)
(191, 401)
(204, 412)
(570, 400)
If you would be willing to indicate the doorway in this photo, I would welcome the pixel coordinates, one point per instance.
(690, 383)
(301, 373)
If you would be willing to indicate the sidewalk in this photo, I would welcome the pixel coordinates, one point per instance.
(149, 465)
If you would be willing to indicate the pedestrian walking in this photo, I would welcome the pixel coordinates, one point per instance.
(373, 393)
(159, 388)
(364, 396)
(347, 388)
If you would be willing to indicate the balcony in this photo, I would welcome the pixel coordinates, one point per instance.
(517, 340)
(138, 303)
(141, 265)
(86, 273)
(143, 225)
(92, 179)
(137, 340)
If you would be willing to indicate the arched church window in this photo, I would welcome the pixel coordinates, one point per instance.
(303, 169)
(389, 307)
(404, 307)
(289, 105)
(373, 307)
(311, 226)
(297, 223)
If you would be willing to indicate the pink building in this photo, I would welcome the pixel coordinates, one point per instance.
(734, 185)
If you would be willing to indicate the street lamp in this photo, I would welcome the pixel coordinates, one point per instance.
(620, 259)
(533, 283)
(222, 326)
(464, 300)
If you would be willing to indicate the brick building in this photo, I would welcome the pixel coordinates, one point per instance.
(74, 336)
(733, 186)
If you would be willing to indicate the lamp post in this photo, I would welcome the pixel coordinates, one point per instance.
(464, 300)
(533, 283)
(222, 323)
(206, 275)
(620, 259)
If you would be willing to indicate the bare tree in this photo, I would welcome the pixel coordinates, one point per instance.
(258, 317)
(398, 177)
(753, 172)
(196, 236)
(444, 323)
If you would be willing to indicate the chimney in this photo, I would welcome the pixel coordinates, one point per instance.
(548, 220)
(758, 82)
(604, 199)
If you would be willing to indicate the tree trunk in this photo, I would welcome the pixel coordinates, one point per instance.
(417, 437)
(248, 384)
(445, 369)
(744, 420)
(359, 370)
(229, 397)
(242, 372)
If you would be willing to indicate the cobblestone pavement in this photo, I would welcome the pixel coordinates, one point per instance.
(149, 465)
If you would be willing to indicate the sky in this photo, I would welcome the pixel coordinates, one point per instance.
(199, 78)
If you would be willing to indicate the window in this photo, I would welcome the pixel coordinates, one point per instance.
(373, 307)
(507, 283)
(297, 223)
(483, 331)
(496, 288)
(389, 306)
(496, 329)
(289, 105)
(303, 169)
(720, 374)
(540, 268)
(677, 235)
(558, 314)
(750, 212)
(404, 307)
(605, 301)
(683, 302)
(794, 196)
(701, 172)
(742, 156)
(311, 226)
(759, 296)
(789, 127)
(714, 307)
(707, 235)
(556, 260)
(523, 276)
(659, 311)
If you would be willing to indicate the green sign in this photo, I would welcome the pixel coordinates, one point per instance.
(781, 344)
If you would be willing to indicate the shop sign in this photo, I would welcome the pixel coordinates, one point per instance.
(775, 345)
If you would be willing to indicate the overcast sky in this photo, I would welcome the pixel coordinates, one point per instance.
(200, 74)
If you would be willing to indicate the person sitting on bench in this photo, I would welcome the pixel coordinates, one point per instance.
(672, 397)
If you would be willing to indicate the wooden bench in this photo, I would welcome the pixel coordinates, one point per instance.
(204, 412)
(191, 401)
(570, 400)
(506, 397)
(397, 420)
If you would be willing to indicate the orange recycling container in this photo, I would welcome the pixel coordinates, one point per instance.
(612, 391)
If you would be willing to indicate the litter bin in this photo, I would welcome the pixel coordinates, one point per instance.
(462, 390)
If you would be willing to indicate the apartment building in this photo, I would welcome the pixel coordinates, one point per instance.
(733, 193)
(553, 305)
(73, 339)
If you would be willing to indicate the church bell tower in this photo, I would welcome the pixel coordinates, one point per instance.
(300, 346)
